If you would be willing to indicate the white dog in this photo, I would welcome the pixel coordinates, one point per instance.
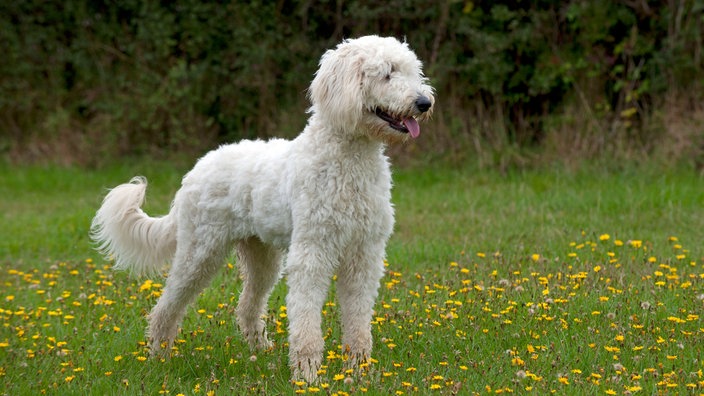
(312, 207)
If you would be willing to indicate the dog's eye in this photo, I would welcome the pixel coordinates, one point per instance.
(391, 71)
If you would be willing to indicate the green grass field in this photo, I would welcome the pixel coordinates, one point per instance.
(585, 282)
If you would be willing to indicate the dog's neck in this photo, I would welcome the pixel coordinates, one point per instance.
(343, 143)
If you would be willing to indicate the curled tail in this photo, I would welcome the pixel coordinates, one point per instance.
(137, 242)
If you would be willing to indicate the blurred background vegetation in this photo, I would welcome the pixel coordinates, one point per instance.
(90, 82)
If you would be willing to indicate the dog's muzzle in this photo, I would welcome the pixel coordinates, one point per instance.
(423, 104)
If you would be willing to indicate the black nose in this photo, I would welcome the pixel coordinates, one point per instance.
(423, 104)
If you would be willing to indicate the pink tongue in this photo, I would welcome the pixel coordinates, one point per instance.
(413, 127)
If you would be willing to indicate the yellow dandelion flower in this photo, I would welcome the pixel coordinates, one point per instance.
(604, 237)
(146, 285)
(535, 257)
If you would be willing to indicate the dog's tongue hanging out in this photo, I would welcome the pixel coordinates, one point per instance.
(412, 126)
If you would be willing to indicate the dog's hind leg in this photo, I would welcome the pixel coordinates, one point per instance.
(192, 270)
(357, 289)
(260, 266)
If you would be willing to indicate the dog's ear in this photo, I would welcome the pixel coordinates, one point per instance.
(336, 91)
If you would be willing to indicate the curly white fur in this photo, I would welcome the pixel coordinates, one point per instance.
(322, 201)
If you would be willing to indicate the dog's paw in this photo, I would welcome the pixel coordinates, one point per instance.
(257, 338)
(159, 350)
(259, 341)
(306, 368)
(356, 359)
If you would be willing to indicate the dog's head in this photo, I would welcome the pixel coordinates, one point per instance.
(373, 86)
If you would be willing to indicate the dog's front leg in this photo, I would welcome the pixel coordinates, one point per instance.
(309, 276)
(357, 289)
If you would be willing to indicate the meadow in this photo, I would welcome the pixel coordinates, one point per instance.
(587, 281)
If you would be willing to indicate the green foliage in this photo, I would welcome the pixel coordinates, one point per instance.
(85, 81)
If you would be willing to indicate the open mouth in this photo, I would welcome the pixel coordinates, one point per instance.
(406, 125)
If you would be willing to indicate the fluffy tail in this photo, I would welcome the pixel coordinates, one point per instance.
(138, 243)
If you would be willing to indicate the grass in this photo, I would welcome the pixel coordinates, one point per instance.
(586, 282)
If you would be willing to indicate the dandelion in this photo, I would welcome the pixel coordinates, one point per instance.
(147, 285)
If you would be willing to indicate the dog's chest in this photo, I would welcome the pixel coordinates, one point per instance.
(352, 203)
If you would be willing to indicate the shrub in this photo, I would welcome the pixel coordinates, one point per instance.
(87, 82)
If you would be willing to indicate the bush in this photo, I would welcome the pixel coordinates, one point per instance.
(88, 82)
